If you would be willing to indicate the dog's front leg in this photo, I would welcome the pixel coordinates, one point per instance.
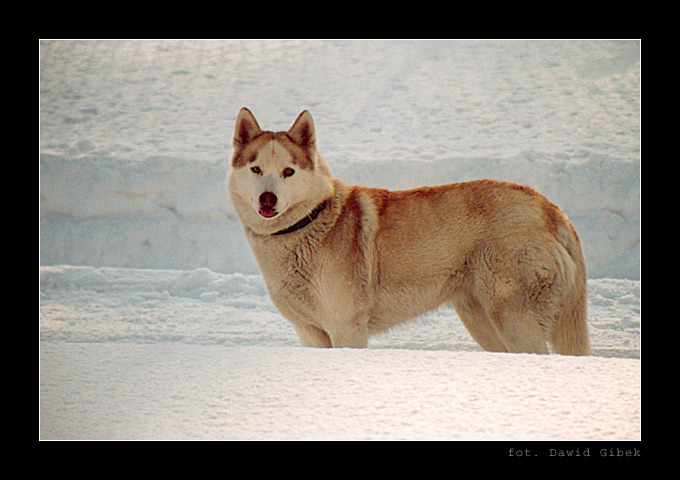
(352, 333)
(311, 336)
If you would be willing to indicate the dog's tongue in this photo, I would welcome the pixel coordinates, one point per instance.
(268, 213)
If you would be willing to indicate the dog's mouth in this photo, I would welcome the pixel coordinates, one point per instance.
(267, 212)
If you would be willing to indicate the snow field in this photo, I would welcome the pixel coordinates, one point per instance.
(154, 321)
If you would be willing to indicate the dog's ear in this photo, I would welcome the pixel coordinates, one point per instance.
(302, 131)
(246, 127)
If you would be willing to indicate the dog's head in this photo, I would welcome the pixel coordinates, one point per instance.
(276, 177)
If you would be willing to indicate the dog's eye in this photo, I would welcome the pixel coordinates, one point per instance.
(256, 170)
(287, 172)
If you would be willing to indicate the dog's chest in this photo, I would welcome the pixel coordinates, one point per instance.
(307, 283)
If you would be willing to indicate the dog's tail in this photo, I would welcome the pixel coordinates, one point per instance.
(570, 334)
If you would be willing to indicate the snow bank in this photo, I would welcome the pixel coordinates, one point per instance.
(171, 213)
(87, 304)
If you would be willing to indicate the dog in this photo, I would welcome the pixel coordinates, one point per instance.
(344, 262)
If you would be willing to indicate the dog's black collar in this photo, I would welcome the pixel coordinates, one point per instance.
(305, 221)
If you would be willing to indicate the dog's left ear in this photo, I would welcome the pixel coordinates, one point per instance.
(302, 131)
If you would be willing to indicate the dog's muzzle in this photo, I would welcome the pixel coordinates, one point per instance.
(268, 205)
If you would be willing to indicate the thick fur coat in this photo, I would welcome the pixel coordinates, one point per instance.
(343, 262)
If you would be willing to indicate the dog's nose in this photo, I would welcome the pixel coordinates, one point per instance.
(268, 199)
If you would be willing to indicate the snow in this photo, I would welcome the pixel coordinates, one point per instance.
(154, 320)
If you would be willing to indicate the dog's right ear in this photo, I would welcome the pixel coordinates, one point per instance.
(246, 128)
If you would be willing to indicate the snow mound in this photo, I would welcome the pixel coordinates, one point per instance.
(170, 213)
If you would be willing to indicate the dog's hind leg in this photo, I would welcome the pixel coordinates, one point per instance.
(477, 323)
(520, 331)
